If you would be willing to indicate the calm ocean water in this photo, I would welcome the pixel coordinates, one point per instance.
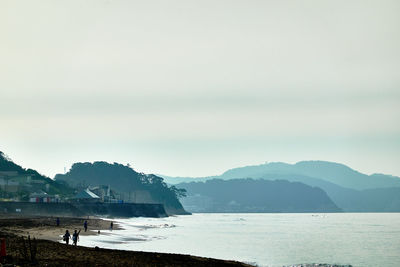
(360, 239)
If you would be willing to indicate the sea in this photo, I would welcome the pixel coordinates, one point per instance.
(266, 239)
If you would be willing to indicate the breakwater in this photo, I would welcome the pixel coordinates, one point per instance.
(122, 210)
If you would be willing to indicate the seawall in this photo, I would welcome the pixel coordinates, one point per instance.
(124, 210)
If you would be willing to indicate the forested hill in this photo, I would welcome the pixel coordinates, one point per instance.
(131, 185)
(249, 195)
(44, 183)
(6, 164)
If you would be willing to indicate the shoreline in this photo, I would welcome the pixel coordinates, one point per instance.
(51, 252)
(45, 227)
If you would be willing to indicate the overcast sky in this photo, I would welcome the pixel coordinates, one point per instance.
(193, 88)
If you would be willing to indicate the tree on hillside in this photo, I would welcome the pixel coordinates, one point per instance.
(124, 180)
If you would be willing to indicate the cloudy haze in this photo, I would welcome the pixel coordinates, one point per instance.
(192, 88)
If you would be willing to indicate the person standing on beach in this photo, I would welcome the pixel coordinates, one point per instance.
(75, 237)
(58, 221)
(85, 225)
(66, 237)
(111, 226)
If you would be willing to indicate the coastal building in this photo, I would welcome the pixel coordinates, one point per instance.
(86, 196)
(12, 181)
(6, 182)
(102, 191)
(8, 174)
(8, 185)
(43, 197)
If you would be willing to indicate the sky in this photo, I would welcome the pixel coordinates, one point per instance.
(193, 88)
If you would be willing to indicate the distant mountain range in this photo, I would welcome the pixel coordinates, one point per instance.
(336, 173)
(350, 190)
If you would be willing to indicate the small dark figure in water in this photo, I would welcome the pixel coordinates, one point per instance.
(111, 226)
(58, 221)
(75, 237)
(85, 225)
(66, 237)
(98, 232)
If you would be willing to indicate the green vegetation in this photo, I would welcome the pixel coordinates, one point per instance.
(17, 183)
(129, 184)
(23, 182)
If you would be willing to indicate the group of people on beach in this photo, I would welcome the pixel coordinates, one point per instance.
(75, 236)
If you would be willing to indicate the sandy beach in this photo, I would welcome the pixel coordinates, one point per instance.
(46, 228)
(50, 252)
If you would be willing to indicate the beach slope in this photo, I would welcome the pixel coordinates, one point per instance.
(51, 253)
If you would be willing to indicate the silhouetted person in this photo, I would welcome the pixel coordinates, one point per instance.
(58, 221)
(75, 237)
(111, 226)
(66, 237)
(85, 225)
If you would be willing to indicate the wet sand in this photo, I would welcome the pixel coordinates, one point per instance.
(46, 228)
(50, 253)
